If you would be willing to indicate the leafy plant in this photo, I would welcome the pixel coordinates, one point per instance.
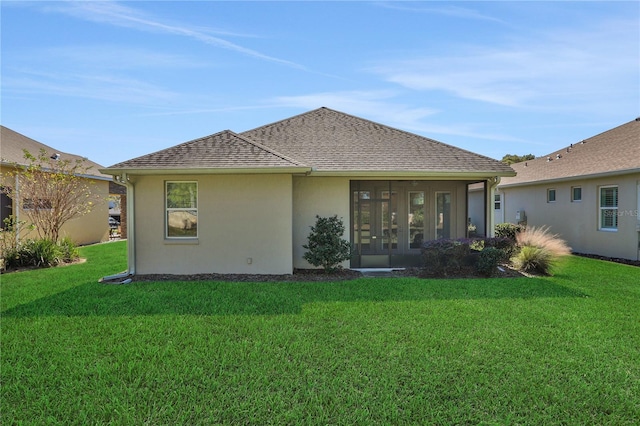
(326, 247)
(444, 256)
(508, 230)
(488, 260)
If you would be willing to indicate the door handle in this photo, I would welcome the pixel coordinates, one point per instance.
(373, 237)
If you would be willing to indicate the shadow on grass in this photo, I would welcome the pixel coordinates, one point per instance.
(226, 298)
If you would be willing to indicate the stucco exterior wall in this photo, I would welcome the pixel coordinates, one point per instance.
(578, 222)
(88, 229)
(323, 196)
(244, 226)
(94, 226)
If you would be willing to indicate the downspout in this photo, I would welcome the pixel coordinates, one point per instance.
(490, 212)
(131, 233)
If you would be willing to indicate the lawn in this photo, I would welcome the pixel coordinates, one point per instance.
(553, 350)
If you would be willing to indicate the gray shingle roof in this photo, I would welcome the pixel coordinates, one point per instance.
(323, 140)
(334, 141)
(614, 151)
(13, 145)
(223, 150)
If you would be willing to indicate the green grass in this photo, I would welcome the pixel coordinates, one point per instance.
(553, 350)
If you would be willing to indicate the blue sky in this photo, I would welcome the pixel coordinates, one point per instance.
(115, 80)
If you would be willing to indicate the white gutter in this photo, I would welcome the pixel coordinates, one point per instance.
(131, 233)
(568, 178)
(490, 211)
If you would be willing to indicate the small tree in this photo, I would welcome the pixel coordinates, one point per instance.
(326, 246)
(514, 158)
(52, 191)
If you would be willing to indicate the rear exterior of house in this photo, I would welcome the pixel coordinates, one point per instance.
(244, 203)
(87, 229)
(588, 193)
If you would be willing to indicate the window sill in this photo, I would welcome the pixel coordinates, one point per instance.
(608, 230)
(181, 241)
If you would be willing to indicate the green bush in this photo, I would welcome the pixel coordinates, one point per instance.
(488, 260)
(68, 250)
(508, 230)
(41, 253)
(326, 246)
(444, 256)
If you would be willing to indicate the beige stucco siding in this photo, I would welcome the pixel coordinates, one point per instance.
(244, 226)
(90, 228)
(323, 196)
(94, 226)
(578, 222)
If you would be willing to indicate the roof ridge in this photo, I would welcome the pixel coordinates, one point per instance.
(266, 148)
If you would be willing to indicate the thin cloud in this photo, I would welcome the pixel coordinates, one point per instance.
(572, 67)
(448, 10)
(116, 14)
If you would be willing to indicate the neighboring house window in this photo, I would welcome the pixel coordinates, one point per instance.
(609, 208)
(551, 195)
(576, 194)
(181, 209)
(37, 204)
(497, 202)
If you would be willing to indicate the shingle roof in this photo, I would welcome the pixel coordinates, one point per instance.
(334, 141)
(13, 145)
(322, 140)
(223, 150)
(614, 151)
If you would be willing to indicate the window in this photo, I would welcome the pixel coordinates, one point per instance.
(37, 204)
(609, 208)
(497, 201)
(416, 218)
(181, 209)
(443, 215)
(551, 195)
(576, 194)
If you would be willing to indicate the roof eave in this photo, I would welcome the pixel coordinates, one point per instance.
(417, 174)
(206, 171)
(570, 178)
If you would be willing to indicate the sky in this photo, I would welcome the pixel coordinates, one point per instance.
(116, 80)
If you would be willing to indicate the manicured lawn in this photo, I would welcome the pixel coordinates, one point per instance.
(559, 350)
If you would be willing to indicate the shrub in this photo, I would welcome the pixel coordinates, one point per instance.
(444, 256)
(507, 246)
(41, 253)
(326, 246)
(539, 250)
(68, 250)
(488, 260)
(508, 230)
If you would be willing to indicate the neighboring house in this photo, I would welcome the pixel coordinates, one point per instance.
(245, 202)
(587, 192)
(90, 228)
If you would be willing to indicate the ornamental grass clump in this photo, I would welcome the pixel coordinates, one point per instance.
(539, 250)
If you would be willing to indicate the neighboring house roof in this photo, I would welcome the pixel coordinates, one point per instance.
(616, 151)
(14, 144)
(225, 151)
(319, 141)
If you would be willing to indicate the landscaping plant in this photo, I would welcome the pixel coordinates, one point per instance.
(326, 247)
(539, 250)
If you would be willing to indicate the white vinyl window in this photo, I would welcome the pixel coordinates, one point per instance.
(609, 208)
(181, 204)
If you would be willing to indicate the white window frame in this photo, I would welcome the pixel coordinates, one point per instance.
(497, 201)
(602, 209)
(179, 209)
(555, 195)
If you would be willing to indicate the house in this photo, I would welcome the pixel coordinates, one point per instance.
(90, 228)
(587, 192)
(244, 202)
